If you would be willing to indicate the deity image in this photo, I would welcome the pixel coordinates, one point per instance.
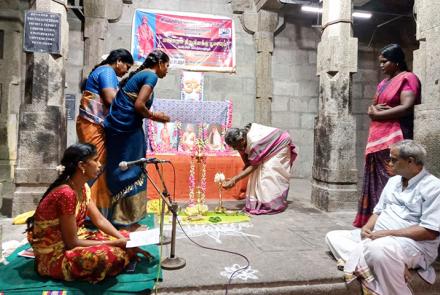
(145, 38)
(165, 138)
(188, 138)
(215, 142)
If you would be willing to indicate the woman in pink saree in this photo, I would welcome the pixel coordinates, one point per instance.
(268, 154)
(392, 116)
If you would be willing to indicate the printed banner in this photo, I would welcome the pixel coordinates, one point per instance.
(195, 42)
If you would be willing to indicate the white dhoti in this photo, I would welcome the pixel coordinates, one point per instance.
(380, 263)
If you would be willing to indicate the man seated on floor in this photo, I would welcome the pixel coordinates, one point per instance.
(402, 233)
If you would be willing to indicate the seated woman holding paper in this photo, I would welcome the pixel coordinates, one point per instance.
(63, 248)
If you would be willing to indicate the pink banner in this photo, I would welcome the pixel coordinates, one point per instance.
(194, 42)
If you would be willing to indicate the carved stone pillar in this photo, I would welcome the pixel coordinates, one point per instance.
(42, 123)
(262, 24)
(267, 23)
(427, 67)
(11, 94)
(334, 160)
(97, 15)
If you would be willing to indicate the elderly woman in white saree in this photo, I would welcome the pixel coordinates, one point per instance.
(268, 154)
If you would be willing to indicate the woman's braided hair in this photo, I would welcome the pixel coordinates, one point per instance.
(118, 54)
(72, 156)
(153, 58)
(395, 54)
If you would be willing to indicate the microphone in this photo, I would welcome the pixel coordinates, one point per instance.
(124, 165)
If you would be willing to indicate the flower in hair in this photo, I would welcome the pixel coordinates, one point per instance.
(60, 168)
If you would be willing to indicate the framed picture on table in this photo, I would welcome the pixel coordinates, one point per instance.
(163, 137)
(188, 136)
(215, 137)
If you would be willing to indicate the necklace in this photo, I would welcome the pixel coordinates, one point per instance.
(78, 191)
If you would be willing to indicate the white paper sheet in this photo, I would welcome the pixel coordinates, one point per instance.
(143, 238)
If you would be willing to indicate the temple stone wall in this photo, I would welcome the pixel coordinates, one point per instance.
(427, 67)
(295, 101)
(11, 94)
(74, 69)
(239, 87)
(42, 124)
(295, 84)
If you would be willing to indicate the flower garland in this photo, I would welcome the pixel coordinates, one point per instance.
(229, 115)
(152, 131)
(197, 156)
(192, 182)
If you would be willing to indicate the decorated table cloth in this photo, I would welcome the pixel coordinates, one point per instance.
(230, 165)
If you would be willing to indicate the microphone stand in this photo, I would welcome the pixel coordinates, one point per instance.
(165, 195)
(172, 262)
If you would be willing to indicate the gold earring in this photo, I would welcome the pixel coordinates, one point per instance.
(83, 171)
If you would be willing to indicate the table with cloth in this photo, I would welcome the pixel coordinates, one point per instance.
(230, 165)
(167, 142)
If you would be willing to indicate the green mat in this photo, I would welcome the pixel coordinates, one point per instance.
(20, 277)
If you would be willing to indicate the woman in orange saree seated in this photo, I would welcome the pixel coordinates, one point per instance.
(63, 248)
(392, 120)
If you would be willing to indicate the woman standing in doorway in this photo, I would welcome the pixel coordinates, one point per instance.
(392, 120)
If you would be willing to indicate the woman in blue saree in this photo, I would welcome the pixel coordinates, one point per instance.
(126, 140)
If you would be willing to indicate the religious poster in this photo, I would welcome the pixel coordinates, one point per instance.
(191, 86)
(195, 42)
(192, 122)
(215, 140)
(166, 137)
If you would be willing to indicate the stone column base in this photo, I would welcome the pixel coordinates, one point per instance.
(426, 132)
(26, 198)
(334, 197)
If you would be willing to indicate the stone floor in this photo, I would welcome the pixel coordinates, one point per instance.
(286, 251)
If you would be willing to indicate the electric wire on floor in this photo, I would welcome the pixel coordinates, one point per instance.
(198, 244)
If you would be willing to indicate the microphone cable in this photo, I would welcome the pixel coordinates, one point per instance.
(220, 250)
(198, 244)
(159, 266)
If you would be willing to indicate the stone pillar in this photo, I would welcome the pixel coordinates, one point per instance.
(262, 24)
(11, 94)
(42, 123)
(334, 160)
(97, 15)
(427, 68)
(267, 23)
